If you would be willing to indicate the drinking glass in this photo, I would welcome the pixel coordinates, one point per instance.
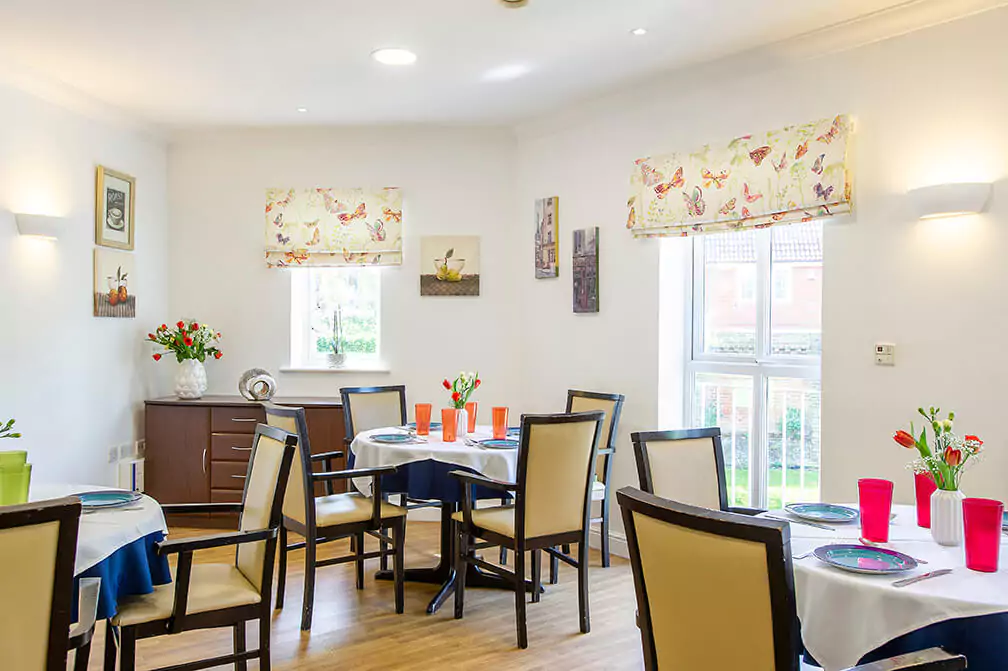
(982, 519)
(924, 487)
(422, 413)
(500, 420)
(14, 482)
(875, 501)
(13, 458)
(449, 419)
(471, 407)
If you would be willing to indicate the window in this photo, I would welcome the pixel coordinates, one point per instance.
(754, 368)
(322, 298)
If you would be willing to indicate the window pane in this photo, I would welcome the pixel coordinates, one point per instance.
(350, 296)
(726, 401)
(796, 296)
(729, 301)
(792, 423)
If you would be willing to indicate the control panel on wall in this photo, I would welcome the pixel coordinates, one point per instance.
(885, 354)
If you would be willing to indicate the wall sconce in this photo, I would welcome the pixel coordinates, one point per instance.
(950, 200)
(39, 225)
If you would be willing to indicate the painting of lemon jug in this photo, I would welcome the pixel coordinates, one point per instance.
(112, 273)
(450, 265)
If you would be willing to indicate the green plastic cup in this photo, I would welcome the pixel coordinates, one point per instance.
(13, 458)
(14, 483)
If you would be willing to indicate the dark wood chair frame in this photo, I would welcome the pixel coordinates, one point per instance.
(234, 617)
(315, 535)
(466, 530)
(642, 438)
(776, 538)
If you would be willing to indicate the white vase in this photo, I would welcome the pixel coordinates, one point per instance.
(190, 379)
(462, 424)
(947, 517)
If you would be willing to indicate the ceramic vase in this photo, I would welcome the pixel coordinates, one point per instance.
(947, 517)
(190, 379)
(462, 424)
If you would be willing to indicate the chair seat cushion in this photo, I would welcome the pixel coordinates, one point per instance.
(499, 519)
(348, 508)
(211, 587)
(598, 491)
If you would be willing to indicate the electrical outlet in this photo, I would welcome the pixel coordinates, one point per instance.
(140, 449)
(113, 454)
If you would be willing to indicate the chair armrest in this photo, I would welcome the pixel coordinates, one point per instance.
(932, 659)
(213, 541)
(483, 481)
(174, 508)
(742, 510)
(335, 454)
(87, 613)
(354, 473)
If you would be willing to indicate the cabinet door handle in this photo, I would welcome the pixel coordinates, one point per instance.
(239, 477)
(203, 460)
(244, 419)
(241, 449)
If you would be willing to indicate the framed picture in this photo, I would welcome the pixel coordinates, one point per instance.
(113, 272)
(450, 265)
(114, 208)
(586, 270)
(546, 239)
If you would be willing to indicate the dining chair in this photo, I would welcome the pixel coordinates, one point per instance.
(38, 544)
(211, 595)
(552, 506)
(320, 519)
(690, 563)
(685, 465)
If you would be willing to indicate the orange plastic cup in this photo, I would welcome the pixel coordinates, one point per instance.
(449, 419)
(471, 407)
(422, 413)
(500, 419)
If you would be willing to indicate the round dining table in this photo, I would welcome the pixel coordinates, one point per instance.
(116, 545)
(850, 618)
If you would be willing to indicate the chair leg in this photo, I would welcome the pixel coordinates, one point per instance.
(462, 543)
(127, 649)
(583, 584)
(110, 646)
(398, 563)
(359, 561)
(536, 574)
(308, 601)
(239, 646)
(383, 559)
(281, 568)
(554, 567)
(503, 550)
(264, 643)
(519, 587)
(605, 530)
(82, 656)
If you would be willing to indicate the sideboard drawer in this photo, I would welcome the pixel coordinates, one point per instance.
(231, 446)
(225, 496)
(228, 474)
(236, 419)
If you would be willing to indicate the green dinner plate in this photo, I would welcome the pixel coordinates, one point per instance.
(392, 438)
(498, 444)
(109, 498)
(822, 512)
(864, 559)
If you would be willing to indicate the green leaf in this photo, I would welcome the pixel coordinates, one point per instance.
(450, 253)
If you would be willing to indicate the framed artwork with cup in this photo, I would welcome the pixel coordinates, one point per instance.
(115, 197)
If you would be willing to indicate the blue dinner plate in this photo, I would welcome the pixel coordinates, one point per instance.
(822, 512)
(433, 425)
(392, 438)
(1004, 521)
(864, 559)
(514, 431)
(110, 498)
(499, 444)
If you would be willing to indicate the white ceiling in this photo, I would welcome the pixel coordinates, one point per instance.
(254, 62)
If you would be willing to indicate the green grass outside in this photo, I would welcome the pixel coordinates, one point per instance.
(739, 495)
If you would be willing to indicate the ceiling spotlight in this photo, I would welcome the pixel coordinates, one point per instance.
(514, 4)
(638, 32)
(302, 110)
(394, 56)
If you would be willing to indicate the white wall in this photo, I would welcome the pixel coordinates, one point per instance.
(454, 181)
(75, 383)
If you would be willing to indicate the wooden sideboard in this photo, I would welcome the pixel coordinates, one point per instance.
(198, 451)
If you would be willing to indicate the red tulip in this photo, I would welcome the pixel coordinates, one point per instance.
(150, 336)
(478, 382)
(973, 439)
(953, 457)
(904, 439)
(180, 324)
(447, 384)
(456, 396)
(194, 326)
(164, 327)
(188, 341)
(157, 357)
(218, 354)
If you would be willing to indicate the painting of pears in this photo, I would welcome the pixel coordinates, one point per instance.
(449, 265)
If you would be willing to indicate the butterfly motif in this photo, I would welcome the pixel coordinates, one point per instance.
(750, 197)
(728, 207)
(780, 166)
(377, 231)
(778, 216)
(650, 176)
(351, 257)
(710, 178)
(832, 133)
(677, 182)
(278, 220)
(283, 240)
(746, 214)
(820, 192)
(801, 150)
(332, 205)
(695, 203)
(359, 213)
(632, 217)
(392, 215)
(315, 238)
(757, 155)
(817, 166)
(741, 138)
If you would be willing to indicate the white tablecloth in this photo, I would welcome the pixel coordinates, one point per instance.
(497, 464)
(846, 615)
(103, 532)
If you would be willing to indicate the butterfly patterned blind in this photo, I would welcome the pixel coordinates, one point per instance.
(798, 173)
(333, 227)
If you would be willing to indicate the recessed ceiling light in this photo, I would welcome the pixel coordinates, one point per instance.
(394, 56)
(302, 110)
(638, 32)
(504, 73)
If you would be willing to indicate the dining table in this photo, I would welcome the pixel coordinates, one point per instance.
(423, 466)
(850, 618)
(116, 545)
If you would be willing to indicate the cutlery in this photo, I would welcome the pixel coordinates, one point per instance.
(873, 544)
(801, 556)
(923, 576)
(801, 522)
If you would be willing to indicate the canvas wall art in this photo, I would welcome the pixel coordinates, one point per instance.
(115, 198)
(586, 270)
(547, 211)
(113, 281)
(449, 265)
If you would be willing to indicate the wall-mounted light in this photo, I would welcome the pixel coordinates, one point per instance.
(39, 225)
(950, 200)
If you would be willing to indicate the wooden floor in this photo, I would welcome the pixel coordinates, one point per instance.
(359, 629)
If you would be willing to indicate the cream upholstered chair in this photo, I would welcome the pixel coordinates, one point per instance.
(690, 564)
(205, 596)
(320, 519)
(552, 494)
(38, 544)
(685, 466)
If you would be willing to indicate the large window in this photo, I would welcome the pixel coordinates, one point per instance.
(755, 358)
(341, 304)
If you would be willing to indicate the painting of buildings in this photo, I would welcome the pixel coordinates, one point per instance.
(547, 225)
(586, 270)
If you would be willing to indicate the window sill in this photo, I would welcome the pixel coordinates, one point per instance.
(365, 368)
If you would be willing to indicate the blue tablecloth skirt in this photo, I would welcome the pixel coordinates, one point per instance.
(429, 480)
(132, 569)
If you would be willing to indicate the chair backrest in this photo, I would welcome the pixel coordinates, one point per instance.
(555, 469)
(366, 408)
(611, 405)
(699, 573)
(38, 544)
(262, 500)
(685, 466)
(299, 504)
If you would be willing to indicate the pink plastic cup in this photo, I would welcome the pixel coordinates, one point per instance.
(982, 519)
(875, 501)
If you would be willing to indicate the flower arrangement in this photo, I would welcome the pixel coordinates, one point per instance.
(335, 341)
(950, 453)
(7, 430)
(463, 387)
(187, 341)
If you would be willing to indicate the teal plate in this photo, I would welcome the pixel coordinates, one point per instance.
(1004, 522)
(498, 444)
(392, 438)
(864, 559)
(433, 425)
(822, 512)
(109, 498)
(514, 431)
